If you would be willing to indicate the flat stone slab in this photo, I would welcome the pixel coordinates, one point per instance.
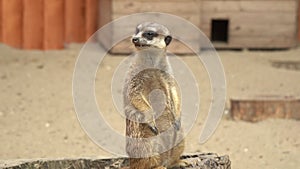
(199, 161)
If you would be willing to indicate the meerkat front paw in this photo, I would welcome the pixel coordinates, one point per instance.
(153, 127)
(181, 164)
(177, 124)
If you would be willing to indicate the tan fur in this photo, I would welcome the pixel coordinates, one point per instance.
(150, 70)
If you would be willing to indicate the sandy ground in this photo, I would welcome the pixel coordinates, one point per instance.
(37, 117)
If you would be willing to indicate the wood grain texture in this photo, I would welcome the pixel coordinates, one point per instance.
(91, 17)
(257, 42)
(54, 25)
(105, 13)
(1, 25)
(257, 30)
(253, 23)
(75, 21)
(250, 17)
(33, 22)
(188, 9)
(12, 22)
(250, 6)
(175, 7)
(298, 21)
(260, 109)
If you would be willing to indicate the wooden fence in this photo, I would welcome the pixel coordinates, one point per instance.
(47, 24)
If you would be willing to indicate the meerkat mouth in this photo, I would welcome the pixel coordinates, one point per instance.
(142, 45)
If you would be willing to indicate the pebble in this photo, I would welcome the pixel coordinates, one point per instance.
(47, 124)
(246, 150)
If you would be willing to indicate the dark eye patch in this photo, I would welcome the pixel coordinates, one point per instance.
(149, 35)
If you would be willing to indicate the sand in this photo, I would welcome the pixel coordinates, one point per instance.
(37, 117)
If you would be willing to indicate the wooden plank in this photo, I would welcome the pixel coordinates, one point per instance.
(298, 21)
(33, 22)
(178, 7)
(75, 21)
(257, 42)
(105, 12)
(1, 25)
(92, 14)
(256, 30)
(250, 17)
(12, 22)
(54, 24)
(194, 19)
(105, 16)
(250, 6)
(187, 9)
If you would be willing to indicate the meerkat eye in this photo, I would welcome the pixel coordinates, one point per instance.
(149, 35)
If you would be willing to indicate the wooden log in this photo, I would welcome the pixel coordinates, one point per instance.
(261, 108)
(54, 25)
(33, 22)
(203, 161)
(11, 15)
(74, 21)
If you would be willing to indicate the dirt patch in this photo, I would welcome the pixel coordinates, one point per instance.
(37, 118)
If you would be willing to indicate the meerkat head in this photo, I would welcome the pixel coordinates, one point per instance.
(151, 35)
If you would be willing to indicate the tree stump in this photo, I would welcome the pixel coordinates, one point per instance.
(263, 107)
(199, 161)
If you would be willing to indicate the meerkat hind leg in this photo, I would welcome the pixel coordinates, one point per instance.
(151, 123)
(160, 167)
(180, 164)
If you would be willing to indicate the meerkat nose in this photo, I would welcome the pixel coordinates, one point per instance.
(135, 40)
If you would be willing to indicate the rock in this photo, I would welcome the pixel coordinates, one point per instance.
(199, 161)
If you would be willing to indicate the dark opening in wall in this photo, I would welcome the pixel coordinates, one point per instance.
(219, 30)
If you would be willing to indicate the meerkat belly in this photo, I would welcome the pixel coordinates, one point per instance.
(140, 89)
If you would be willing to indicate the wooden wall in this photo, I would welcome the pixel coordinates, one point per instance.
(254, 23)
(47, 24)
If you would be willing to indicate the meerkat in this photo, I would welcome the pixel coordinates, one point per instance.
(150, 86)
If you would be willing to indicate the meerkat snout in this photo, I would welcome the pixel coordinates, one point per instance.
(150, 34)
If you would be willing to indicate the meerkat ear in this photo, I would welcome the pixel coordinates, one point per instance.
(168, 40)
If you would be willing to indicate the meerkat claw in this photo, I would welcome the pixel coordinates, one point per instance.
(177, 124)
(153, 128)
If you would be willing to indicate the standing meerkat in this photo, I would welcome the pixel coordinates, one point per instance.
(152, 103)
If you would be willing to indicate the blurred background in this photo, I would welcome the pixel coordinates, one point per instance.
(258, 44)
